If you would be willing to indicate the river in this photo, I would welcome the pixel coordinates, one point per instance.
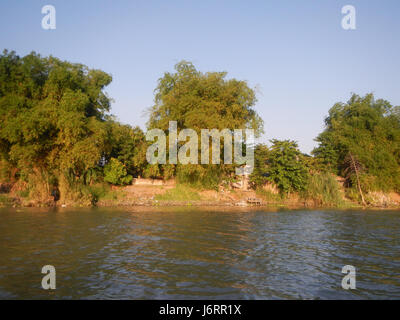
(199, 253)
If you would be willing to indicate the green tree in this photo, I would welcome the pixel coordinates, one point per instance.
(128, 145)
(51, 113)
(198, 101)
(54, 121)
(369, 129)
(203, 100)
(259, 176)
(286, 167)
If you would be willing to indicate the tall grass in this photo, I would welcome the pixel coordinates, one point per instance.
(180, 193)
(324, 190)
(199, 177)
(5, 201)
(100, 191)
(269, 196)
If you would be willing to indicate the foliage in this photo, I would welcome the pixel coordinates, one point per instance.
(269, 196)
(286, 167)
(5, 201)
(352, 170)
(52, 115)
(323, 189)
(370, 130)
(198, 101)
(115, 173)
(56, 133)
(200, 177)
(179, 193)
(55, 128)
(259, 176)
(203, 100)
(128, 146)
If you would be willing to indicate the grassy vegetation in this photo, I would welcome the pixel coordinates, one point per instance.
(84, 195)
(180, 193)
(269, 196)
(5, 201)
(102, 191)
(324, 190)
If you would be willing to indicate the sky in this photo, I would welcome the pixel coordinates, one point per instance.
(294, 52)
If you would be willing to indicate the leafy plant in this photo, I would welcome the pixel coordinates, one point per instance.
(286, 167)
(369, 130)
(198, 100)
(115, 173)
(323, 189)
(259, 176)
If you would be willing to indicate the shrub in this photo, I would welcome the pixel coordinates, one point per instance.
(323, 189)
(286, 166)
(115, 173)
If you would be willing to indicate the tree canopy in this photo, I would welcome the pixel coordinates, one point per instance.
(199, 100)
(370, 130)
(56, 131)
(286, 167)
(55, 122)
(52, 113)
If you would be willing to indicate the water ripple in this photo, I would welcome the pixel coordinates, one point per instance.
(188, 253)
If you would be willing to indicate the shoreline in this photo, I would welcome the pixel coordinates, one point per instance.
(183, 196)
(203, 207)
(205, 204)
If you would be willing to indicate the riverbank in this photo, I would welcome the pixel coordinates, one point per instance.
(181, 195)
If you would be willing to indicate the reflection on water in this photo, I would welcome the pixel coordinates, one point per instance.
(189, 253)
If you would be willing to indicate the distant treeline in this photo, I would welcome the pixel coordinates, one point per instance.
(58, 138)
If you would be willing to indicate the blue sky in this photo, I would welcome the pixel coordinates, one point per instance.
(294, 52)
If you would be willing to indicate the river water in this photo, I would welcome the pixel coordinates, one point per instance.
(193, 253)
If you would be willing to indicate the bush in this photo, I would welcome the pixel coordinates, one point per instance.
(323, 189)
(115, 173)
(286, 166)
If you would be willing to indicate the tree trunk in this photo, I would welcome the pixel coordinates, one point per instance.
(358, 179)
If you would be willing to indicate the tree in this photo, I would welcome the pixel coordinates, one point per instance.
(198, 101)
(203, 100)
(286, 167)
(259, 176)
(54, 120)
(52, 113)
(128, 145)
(353, 168)
(369, 129)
